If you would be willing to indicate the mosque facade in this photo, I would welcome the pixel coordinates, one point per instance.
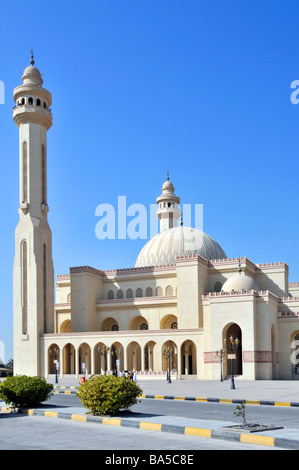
(177, 309)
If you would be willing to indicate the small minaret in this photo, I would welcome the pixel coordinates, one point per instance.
(168, 212)
(33, 277)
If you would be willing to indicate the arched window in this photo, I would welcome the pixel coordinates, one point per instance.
(149, 292)
(169, 290)
(159, 291)
(120, 294)
(129, 294)
(45, 105)
(68, 299)
(217, 287)
(139, 292)
(30, 101)
(111, 294)
(24, 289)
(23, 101)
(25, 173)
(38, 102)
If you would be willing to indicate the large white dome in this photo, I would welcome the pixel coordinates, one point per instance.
(163, 248)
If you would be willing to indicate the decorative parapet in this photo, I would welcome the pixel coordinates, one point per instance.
(191, 258)
(229, 262)
(271, 266)
(63, 277)
(85, 269)
(243, 293)
(63, 280)
(289, 299)
(288, 314)
(139, 271)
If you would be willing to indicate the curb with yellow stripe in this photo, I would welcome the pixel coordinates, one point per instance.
(246, 438)
(222, 400)
(73, 390)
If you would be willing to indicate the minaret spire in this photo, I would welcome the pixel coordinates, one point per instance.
(32, 57)
(168, 211)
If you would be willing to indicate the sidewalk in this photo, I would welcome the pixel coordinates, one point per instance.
(286, 438)
(277, 393)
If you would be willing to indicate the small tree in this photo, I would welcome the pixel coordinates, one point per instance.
(107, 394)
(241, 412)
(24, 391)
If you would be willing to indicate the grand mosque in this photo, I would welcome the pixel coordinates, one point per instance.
(183, 306)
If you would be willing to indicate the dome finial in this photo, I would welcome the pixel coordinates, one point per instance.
(181, 219)
(32, 57)
(167, 176)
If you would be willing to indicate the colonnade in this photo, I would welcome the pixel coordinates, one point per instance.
(149, 358)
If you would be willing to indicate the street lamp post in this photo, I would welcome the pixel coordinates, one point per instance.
(116, 354)
(221, 354)
(104, 351)
(231, 347)
(168, 353)
(55, 352)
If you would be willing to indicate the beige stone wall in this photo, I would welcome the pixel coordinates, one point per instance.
(86, 287)
(273, 277)
(125, 316)
(165, 284)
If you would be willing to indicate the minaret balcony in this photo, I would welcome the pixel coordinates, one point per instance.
(30, 113)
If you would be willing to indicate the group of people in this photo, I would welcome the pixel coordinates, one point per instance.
(129, 374)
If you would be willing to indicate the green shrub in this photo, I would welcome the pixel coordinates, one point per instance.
(107, 394)
(24, 392)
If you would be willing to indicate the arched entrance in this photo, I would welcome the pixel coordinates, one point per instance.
(233, 330)
(53, 358)
(84, 358)
(188, 358)
(116, 358)
(101, 352)
(134, 356)
(172, 357)
(69, 355)
(149, 356)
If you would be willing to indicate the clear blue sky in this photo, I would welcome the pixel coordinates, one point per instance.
(197, 87)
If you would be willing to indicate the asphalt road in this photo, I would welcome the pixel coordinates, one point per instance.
(263, 414)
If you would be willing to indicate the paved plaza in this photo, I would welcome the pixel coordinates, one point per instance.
(272, 393)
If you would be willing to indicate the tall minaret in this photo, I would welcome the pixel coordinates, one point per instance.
(168, 211)
(33, 274)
